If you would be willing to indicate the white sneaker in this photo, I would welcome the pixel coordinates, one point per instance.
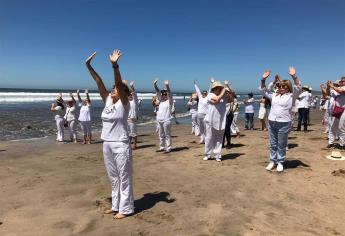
(270, 165)
(218, 159)
(205, 158)
(280, 167)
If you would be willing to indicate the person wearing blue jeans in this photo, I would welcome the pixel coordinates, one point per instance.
(278, 133)
(249, 122)
(279, 118)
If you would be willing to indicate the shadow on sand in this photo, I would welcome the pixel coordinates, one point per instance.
(292, 164)
(145, 146)
(231, 156)
(149, 200)
(292, 145)
(177, 149)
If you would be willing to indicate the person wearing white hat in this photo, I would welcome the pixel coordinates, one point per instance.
(164, 116)
(303, 108)
(215, 121)
(58, 107)
(202, 111)
(279, 118)
(193, 110)
(229, 96)
(71, 119)
(117, 150)
(133, 115)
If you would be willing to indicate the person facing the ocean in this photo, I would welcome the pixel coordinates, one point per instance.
(202, 111)
(164, 116)
(70, 118)
(117, 150)
(193, 110)
(85, 116)
(249, 111)
(229, 96)
(279, 118)
(262, 112)
(133, 116)
(58, 107)
(215, 122)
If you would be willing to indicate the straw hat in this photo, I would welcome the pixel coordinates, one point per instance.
(336, 155)
(216, 84)
(306, 87)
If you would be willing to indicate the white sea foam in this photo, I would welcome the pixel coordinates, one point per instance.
(22, 97)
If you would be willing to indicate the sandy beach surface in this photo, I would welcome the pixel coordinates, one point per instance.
(48, 188)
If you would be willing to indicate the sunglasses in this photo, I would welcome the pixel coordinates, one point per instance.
(281, 86)
(164, 94)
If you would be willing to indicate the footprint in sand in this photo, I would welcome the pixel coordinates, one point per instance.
(340, 172)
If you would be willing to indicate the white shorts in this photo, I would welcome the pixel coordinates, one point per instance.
(132, 129)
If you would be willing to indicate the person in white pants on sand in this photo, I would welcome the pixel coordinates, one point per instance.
(85, 117)
(117, 150)
(133, 116)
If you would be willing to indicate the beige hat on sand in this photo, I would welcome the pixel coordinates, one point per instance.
(216, 84)
(336, 155)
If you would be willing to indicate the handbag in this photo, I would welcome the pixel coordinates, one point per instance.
(65, 122)
(337, 110)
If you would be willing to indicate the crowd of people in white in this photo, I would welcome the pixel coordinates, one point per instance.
(214, 113)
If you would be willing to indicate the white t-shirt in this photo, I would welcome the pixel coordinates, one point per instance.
(216, 113)
(59, 112)
(304, 100)
(202, 104)
(114, 121)
(249, 107)
(193, 107)
(164, 111)
(134, 108)
(84, 114)
(70, 113)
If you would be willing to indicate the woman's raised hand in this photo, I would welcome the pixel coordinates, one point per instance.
(166, 82)
(114, 57)
(292, 71)
(86, 91)
(89, 59)
(212, 80)
(266, 74)
(156, 80)
(226, 82)
(131, 83)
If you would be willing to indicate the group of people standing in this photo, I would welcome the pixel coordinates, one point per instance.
(65, 117)
(214, 116)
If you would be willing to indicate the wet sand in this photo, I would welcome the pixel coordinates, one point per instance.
(60, 189)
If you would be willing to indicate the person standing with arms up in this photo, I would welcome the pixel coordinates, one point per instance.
(193, 110)
(164, 116)
(58, 107)
(202, 111)
(70, 118)
(85, 116)
(279, 118)
(117, 150)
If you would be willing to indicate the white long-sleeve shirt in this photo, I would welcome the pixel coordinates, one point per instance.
(304, 100)
(133, 107)
(281, 105)
(216, 113)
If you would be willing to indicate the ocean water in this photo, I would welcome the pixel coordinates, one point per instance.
(25, 113)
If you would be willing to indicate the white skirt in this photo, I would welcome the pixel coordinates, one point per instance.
(262, 113)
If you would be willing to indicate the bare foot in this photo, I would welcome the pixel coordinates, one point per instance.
(119, 216)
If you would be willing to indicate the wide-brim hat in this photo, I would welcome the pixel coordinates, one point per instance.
(306, 87)
(336, 155)
(59, 100)
(216, 84)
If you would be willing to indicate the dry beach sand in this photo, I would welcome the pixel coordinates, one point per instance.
(60, 189)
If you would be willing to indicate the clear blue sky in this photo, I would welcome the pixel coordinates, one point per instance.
(43, 43)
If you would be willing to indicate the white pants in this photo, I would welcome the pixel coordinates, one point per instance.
(72, 129)
(213, 142)
(85, 127)
(164, 131)
(132, 129)
(234, 127)
(118, 163)
(337, 129)
(60, 129)
(202, 127)
(195, 126)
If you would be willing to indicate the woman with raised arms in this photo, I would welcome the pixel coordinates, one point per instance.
(202, 111)
(279, 118)
(133, 115)
(117, 150)
(85, 117)
(164, 116)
